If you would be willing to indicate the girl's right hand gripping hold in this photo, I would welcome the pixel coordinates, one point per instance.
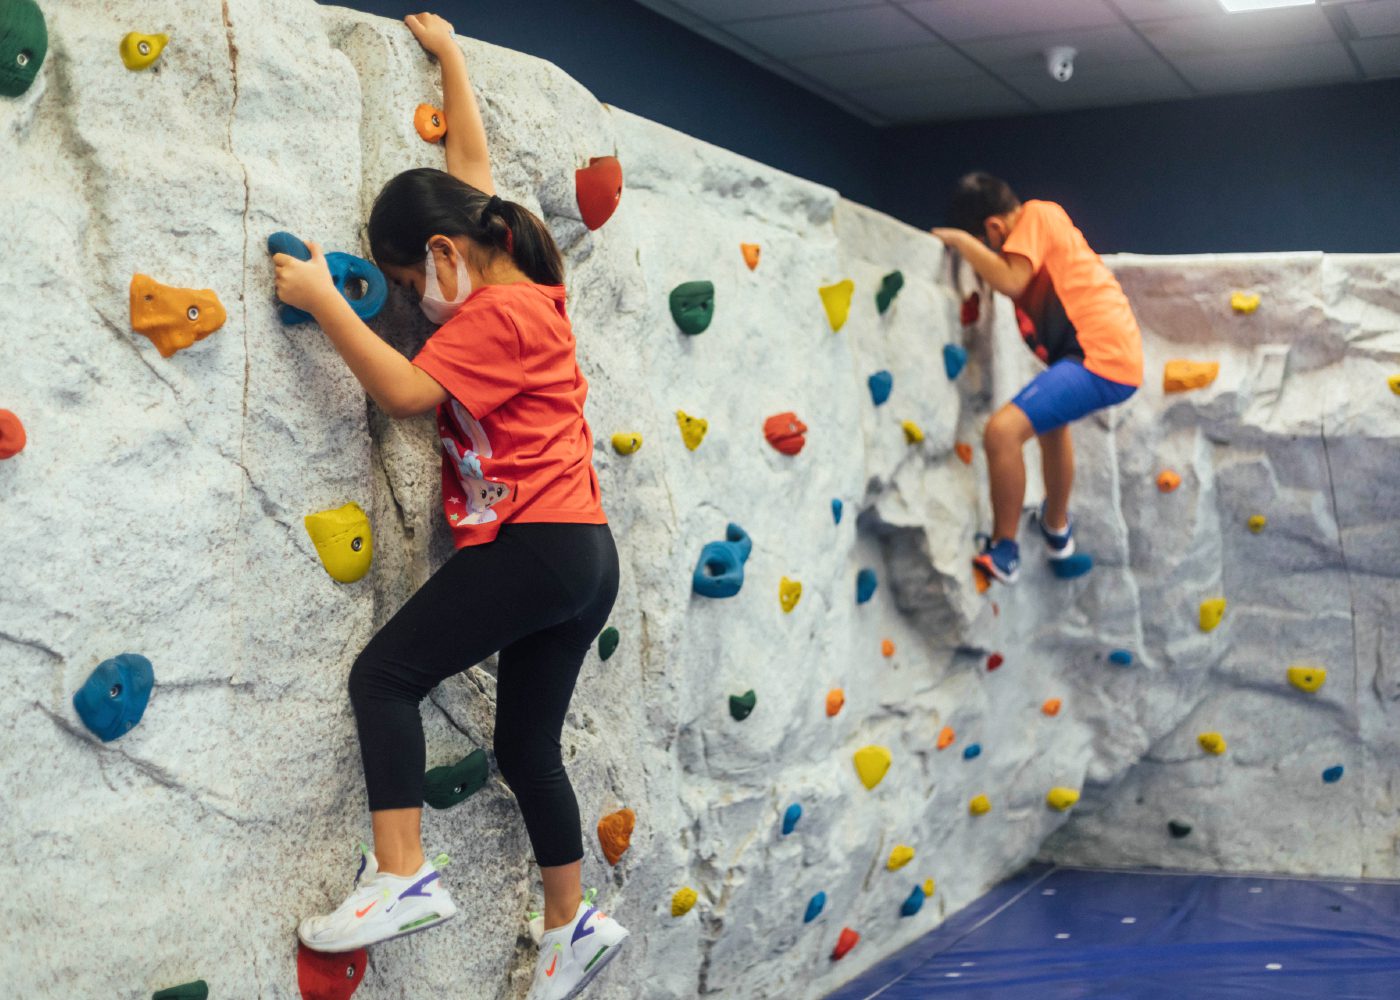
(432, 32)
(467, 156)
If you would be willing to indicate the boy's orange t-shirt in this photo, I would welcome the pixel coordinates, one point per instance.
(515, 446)
(1093, 300)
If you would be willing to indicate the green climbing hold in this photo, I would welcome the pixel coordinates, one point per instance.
(890, 285)
(197, 990)
(740, 705)
(24, 41)
(607, 642)
(1178, 829)
(693, 306)
(444, 787)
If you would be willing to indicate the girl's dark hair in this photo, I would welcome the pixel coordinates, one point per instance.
(418, 203)
(977, 197)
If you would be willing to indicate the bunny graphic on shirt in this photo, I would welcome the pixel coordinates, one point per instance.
(465, 444)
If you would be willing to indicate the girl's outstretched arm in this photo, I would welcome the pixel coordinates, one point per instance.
(467, 156)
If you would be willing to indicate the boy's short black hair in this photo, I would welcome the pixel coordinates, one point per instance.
(977, 197)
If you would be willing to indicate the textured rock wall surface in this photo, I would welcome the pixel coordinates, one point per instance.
(158, 509)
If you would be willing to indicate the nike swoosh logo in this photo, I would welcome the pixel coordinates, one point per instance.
(550, 971)
(361, 913)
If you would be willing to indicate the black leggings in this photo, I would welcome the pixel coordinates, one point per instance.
(538, 594)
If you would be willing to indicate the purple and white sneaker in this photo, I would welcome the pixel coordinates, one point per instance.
(381, 906)
(570, 956)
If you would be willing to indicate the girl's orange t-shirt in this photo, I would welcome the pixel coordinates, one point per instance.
(515, 445)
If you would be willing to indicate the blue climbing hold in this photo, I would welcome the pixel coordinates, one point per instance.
(1076, 565)
(866, 583)
(790, 818)
(972, 750)
(914, 903)
(1121, 657)
(113, 698)
(1333, 774)
(880, 385)
(836, 510)
(815, 907)
(347, 271)
(720, 571)
(954, 358)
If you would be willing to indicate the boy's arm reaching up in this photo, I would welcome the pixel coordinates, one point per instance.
(467, 156)
(1009, 274)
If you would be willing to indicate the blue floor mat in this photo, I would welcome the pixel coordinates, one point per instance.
(1071, 934)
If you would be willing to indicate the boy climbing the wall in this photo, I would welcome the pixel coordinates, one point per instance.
(1073, 315)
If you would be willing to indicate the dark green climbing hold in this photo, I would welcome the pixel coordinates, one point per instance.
(740, 705)
(693, 306)
(24, 41)
(444, 787)
(197, 990)
(607, 642)
(890, 285)
(1179, 830)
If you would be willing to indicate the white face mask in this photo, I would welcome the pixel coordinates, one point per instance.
(434, 306)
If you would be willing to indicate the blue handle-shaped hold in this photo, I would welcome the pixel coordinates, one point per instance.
(720, 570)
(345, 268)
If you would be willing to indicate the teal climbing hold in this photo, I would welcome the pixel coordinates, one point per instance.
(880, 385)
(1333, 774)
(1121, 657)
(741, 705)
(790, 818)
(836, 506)
(720, 569)
(866, 582)
(197, 990)
(972, 751)
(444, 787)
(359, 282)
(815, 905)
(1076, 565)
(114, 697)
(914, 903)
(890, 285)
(1178, 829)
(607, 642)
(693, 306)
(24, 41)
(954, 359)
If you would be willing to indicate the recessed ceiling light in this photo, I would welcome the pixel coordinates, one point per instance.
(1235, 6)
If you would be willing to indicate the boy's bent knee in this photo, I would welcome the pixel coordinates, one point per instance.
(1008, 428)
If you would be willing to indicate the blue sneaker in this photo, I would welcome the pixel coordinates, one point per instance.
(1058, 546)
(1001, 561)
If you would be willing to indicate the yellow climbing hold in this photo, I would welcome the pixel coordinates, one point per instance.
(899, 857)
(1394, 383)
(872, 763)
(1211, 612)
(980, 806)
(1257, 522)
(1179, 376)
(789, 593)
(928, 887)
(1061, 798)
(1307, 679)
(1243, 302)
(1212, 743)
(343, 541)
(913, 433)
(682, 901)
(626, 442)
(837, 301)
(692, 429)
(141, 51)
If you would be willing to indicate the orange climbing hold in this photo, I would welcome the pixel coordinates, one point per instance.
(835, 698)
(598, 188)
(1167, 480)
(980, 581)
(750, 251)
(12, 436)
(844, 943)
(946, 738)
(174, 318)
(615, 834)
(1051, 707)
(887, 647)
(1180, 376)
(785, 432)
(964, 451)
(430, 123)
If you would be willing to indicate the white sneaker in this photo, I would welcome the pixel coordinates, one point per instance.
(570, 956)
(381, 906)
(536, 920)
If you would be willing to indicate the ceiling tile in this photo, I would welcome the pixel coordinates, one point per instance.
(963, 20)
(1260, 69)
(1024, 53)
(739, 10)
(1100, 85)
(1379, 56)
(883, 27)
(887, 67)
(942, 101)
(1229, 33)
(1157, 10)
(1374, 17)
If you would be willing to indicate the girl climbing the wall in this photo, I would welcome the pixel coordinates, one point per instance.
(535, 571)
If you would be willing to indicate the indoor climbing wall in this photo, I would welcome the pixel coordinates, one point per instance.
(782, 781)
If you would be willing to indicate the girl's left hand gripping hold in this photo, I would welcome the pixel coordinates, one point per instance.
(305, 284)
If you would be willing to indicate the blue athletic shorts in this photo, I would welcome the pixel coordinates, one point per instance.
(1066, 391)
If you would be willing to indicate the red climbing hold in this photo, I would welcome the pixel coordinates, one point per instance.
(785, 432)
(599, 189)
(994, 661)
(323, 975)
(844, 943)
(12, 437)
(971, 309)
